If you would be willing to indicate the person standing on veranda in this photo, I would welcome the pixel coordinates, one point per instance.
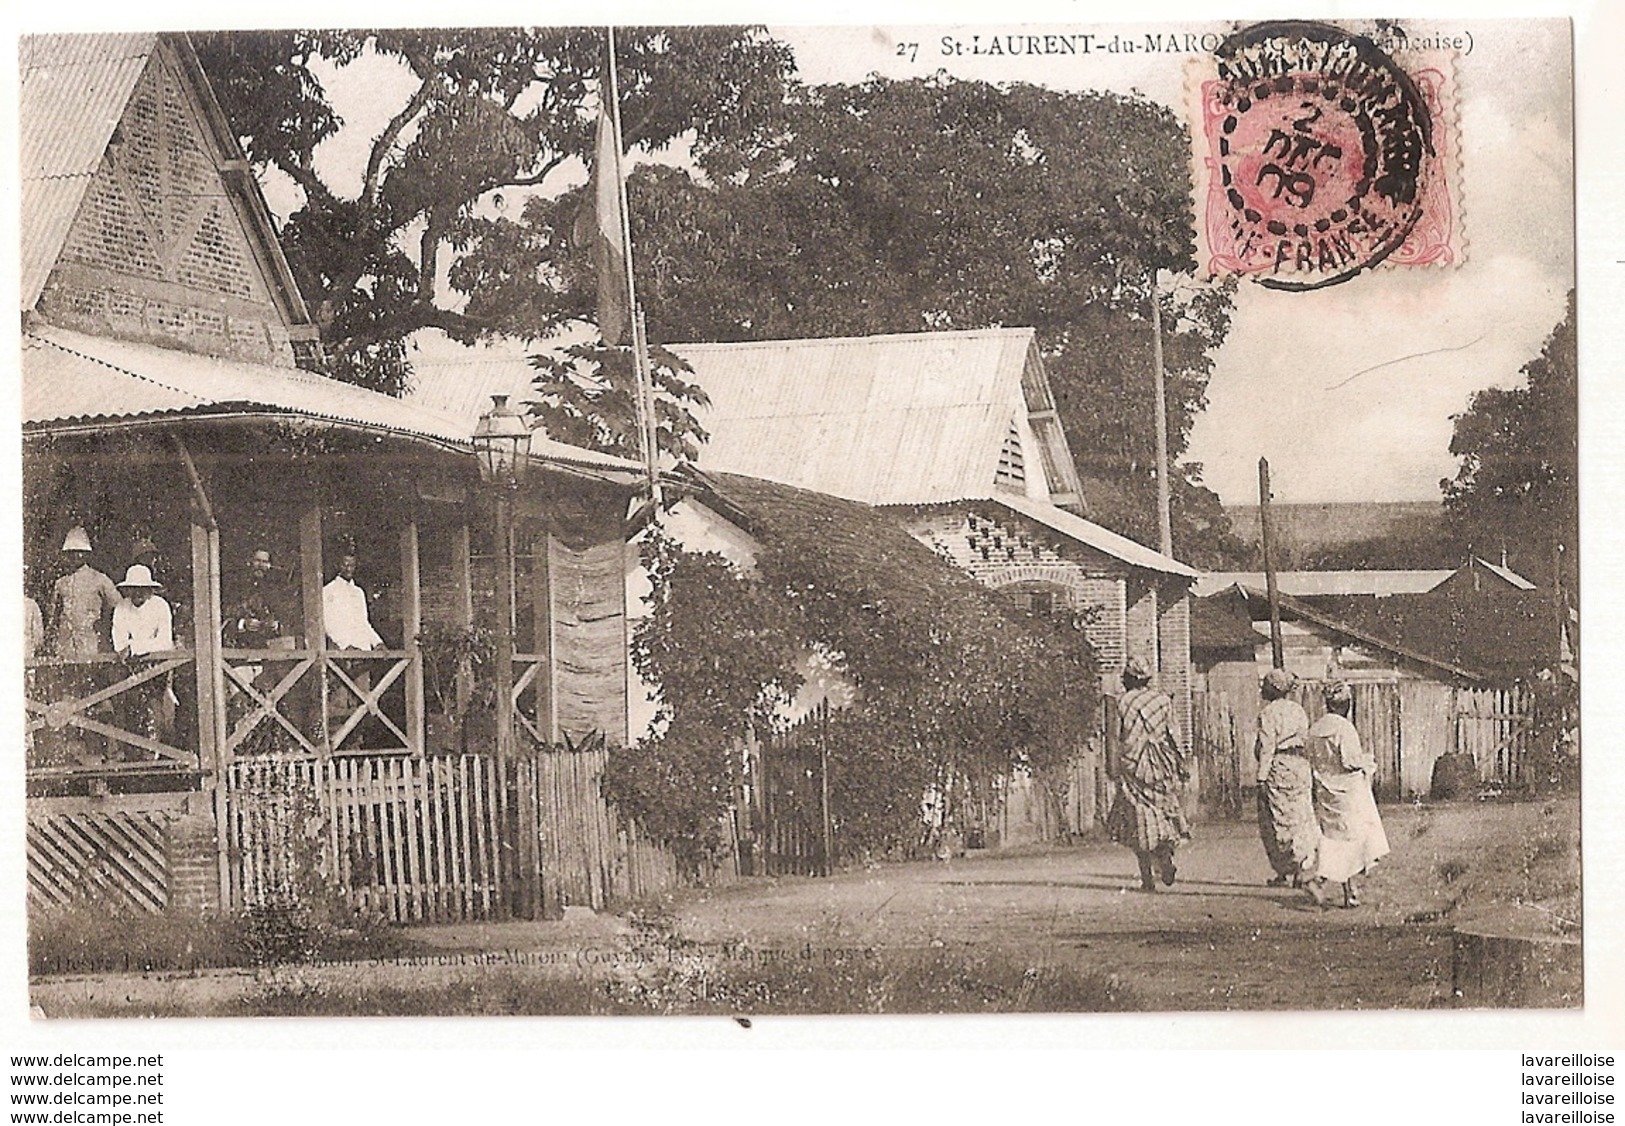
(348, 624)
(1286, 811)
(1351, 833)
(80, 601)
(1149, 767)
(144, 626)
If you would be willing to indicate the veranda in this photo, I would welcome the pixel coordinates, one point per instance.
(215, 776)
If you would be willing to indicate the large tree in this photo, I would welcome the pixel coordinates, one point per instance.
(901, 206)
(489, 112)
(1518, 482)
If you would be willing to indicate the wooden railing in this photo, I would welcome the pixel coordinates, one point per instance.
(526, 669)
(73, 694)
(362, 690)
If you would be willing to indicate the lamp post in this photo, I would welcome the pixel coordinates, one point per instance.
(502, 440)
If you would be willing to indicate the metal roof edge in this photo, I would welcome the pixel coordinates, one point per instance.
(1073, 526)
(1330, 622)
(821, 341)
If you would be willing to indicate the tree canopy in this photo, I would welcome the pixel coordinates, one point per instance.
(895, 206)
(1518, 482)
(491, 111)
(883, 206)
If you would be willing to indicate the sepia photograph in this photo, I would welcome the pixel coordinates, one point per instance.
(755, 520)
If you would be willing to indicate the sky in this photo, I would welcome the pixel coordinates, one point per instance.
(1281, 386)
(1287, 383)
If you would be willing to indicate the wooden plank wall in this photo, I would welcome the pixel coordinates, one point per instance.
(1427, 729)
(1376, 718)
(1406, 723)
(1493, 725)
(407, 839)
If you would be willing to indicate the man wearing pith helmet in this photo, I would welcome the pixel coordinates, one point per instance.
(80, 600)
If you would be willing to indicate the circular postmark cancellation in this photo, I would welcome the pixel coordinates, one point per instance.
(1320, 150)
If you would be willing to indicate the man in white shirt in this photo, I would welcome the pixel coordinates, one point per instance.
(348, 626)
(344, 610)
(142, 622)
(143, 625)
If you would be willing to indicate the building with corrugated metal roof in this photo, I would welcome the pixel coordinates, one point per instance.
(955, 433)
(170, 419)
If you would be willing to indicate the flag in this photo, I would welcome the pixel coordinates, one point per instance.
(609, 236)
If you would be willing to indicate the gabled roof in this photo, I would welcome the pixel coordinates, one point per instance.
(1506, 574)
(74, 91)
(907, 418)
(1093, 535)
(1354, 583)
(1311, 584)
(462, 387)
(73, 381)
(871, 551)
(1256, 600)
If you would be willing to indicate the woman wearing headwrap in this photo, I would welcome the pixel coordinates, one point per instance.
(1286, 811)
(1146, 762)
(1351, 829)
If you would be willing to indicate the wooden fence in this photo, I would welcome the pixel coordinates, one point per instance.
(792, 780)
(118, 858)
(434, 838)
(1406, 724)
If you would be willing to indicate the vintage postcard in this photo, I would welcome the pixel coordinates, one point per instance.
(1047, 518)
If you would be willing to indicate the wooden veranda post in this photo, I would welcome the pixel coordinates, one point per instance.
(310, 588)
(546, 684)
(1277, 656)
(411, 627)
(462, 575)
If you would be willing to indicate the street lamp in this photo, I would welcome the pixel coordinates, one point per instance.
(502, 440)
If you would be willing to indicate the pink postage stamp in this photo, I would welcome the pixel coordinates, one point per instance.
(1319, 154)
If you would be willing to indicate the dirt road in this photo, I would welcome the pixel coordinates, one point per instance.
(1218, 939)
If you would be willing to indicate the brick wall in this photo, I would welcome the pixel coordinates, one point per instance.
(194, 872)
(157, 251)
(1140, 622)
(1001, 553)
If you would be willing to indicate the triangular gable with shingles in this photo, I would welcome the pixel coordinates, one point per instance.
(141, 218)
(904, 418)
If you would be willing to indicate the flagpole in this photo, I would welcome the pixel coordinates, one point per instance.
(640, 350)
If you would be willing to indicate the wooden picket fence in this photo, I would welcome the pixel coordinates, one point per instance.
(434, 838)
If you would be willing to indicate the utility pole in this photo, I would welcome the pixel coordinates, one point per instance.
(1165, 522)
(1277, 657)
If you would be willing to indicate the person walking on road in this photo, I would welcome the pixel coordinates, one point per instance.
(1286, 812)
(1146, 762)
(1351, 834)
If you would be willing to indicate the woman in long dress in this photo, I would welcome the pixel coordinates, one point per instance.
(1149, 767)
(1351, 835)
(1286, 810)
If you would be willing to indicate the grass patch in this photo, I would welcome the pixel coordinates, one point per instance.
(902, 981)
(929, 981)
(1452, 870)
(90, 937)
